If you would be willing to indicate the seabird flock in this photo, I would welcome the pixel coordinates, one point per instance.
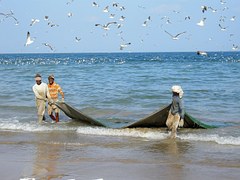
(113, 10)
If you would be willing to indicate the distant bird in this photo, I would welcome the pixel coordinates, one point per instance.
(34, 21)
(235, 47)
(115, 4)
(225, 8)
(10, 15)
(204, 8)
(177, 12)
(70, 14)
(95, 4)
(149, 18)
(176, 36)
(167, 19)
(122, 18)
(222, 28)
(122, 8)
(143, 7)
(187, 18)
(106, 9)
(46, 18)
(222, 2)
(213, 10)
(201, 22)
(202, 53)
(122, 46)
(146, 21)
(51, 24)
(49, 46)
(222, 18)
(112, 16)
(77, 39)
(233, 18)
(106, 26)
(119, 25)
(29, 39)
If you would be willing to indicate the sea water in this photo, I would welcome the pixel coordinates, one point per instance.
(117, 89)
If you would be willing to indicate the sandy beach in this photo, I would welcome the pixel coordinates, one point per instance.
(64, 155)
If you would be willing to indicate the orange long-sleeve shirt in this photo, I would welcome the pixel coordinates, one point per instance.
(54, 89)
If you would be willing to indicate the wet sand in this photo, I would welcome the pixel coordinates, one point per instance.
(69, 155)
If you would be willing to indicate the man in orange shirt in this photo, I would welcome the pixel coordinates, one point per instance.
(54, 89)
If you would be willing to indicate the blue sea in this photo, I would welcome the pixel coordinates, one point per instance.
(117, 89)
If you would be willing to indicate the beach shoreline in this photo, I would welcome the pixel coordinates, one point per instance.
(69, 155)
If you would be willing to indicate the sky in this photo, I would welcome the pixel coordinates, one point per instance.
(71, 26)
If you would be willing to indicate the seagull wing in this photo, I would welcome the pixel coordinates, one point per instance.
(180, 33)
(98, 25)
(110, 23)
(48, 45)
(168, 33)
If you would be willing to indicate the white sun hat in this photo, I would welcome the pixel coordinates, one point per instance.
(178, 89)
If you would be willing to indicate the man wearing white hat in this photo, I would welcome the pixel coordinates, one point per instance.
(42, 95)
(176, 113)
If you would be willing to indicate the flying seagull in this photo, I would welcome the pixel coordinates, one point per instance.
(111, 16)
(69, 14)
(106, 9)
(146, 21)
(95, 4)
(233, 18)
(51, 24)
(46, 18)
(106, 26)
(222, 28)
(235, 47)
(10, 15)
(204, 8)
(176, 36)
(77, 39)
(201, 22)
(213, 10)
(29, 39)
(34, 21)
(48, 45)
(122, 46)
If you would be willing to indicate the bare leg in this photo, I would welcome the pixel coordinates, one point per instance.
(57, 117)
(169, 121)
(52, 117)
(175, 126)
(40, 119)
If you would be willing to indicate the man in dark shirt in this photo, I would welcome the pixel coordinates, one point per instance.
(176, 113)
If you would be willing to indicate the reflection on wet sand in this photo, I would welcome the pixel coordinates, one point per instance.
(172, 147)
(172, 154)
(46, 161)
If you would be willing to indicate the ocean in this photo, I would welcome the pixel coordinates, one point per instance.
(117, 89)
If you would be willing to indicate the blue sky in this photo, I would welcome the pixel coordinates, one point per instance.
(171, 16)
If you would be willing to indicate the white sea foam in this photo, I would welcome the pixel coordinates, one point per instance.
(158, 135)
(147, 133)
(135, 132)
(33, 127)
(226, 140)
